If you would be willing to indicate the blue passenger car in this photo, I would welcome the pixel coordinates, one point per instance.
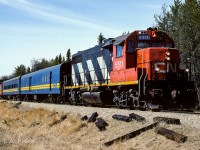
(45, 82)
(11, 88)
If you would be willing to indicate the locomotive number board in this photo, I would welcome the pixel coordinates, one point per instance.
(143, 37)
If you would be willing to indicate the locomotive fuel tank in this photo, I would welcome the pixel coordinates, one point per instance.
(93, 97)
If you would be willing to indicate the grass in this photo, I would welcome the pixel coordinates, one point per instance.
(35, 125)
(39, 128)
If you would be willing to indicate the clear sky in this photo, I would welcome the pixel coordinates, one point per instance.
(45, 28)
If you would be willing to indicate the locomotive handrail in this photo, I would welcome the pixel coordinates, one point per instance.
(144, 83)
(139, 92)
(144, 80)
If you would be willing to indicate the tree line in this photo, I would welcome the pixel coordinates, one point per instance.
(181, 21)
(37, 64)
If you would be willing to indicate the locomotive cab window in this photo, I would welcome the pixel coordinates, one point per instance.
(130, 46)
(119, 49)
(143, 45)
(169, 45)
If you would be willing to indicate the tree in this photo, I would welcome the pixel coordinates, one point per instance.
(60, 58)
(181, 22)
(19, 70)
(63, 59)
(37, 64)
(68, 55)
(175, 22)
(28, 70)
(163, 20)
(5, 77)
(100, 38)
(56, 60)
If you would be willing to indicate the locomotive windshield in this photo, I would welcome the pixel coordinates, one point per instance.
(143, 44)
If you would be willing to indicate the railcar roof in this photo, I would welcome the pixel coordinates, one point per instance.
(117, 40)
(13, 79)
(43, 70)
(95, 48)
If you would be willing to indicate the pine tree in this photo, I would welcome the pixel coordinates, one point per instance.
(63, 59)
(100, 38)
(56, 60)
(60, 58)
(68, 55)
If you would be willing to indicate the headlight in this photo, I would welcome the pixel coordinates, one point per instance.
(157, 69)
(168, 53)
(187, 70)
(168, 58)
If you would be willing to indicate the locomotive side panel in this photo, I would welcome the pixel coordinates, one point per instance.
(91, 67)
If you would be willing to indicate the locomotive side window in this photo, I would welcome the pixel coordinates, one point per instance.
(131, 46)
(119, 49)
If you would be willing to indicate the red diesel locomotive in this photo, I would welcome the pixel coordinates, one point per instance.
(139, 69)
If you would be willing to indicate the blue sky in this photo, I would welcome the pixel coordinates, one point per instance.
(45, 28)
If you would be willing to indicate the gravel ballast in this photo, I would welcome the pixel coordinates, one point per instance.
(187, 119)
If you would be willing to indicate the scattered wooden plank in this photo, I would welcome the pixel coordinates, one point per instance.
(171, 134)
(93, 117)
(122, 118)
(131, 134)
(167, 120)
(101, 124)
(84, 118)
(136, 117)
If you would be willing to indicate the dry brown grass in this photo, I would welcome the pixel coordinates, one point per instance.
(28, 128)
(41, 129)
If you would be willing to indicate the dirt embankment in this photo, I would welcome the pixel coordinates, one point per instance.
(27, 128)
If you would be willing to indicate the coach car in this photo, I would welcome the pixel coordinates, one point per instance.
(43, 83)
(11, 88)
